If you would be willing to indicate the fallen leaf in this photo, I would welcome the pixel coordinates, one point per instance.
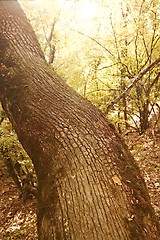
(116, 180)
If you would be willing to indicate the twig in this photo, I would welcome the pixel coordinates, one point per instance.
(134, 81)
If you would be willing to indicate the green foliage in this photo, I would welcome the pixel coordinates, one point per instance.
(17, 235)
(20, 232)
(16, 160)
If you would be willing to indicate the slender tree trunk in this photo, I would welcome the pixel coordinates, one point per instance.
(89, 187)
(144, 117)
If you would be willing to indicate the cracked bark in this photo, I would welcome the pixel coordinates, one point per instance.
(89, 187)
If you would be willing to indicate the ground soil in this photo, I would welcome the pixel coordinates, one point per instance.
(18, 218)
(146, 151)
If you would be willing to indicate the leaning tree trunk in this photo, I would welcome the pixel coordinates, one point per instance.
(89, 187)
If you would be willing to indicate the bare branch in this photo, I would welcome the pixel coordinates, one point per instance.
(94, 40)
(115, 38)
(134, 81)
(108, 66)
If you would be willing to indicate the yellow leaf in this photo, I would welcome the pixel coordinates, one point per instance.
(116, 180)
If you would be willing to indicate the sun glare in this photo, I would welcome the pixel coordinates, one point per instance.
(89, 9)
(85, 9)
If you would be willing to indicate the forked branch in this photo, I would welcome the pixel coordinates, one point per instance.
(134, 81)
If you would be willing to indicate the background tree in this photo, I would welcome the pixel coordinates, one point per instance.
(123, 47)
(123, 36)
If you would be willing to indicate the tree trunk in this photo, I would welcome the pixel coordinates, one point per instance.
(89, 186)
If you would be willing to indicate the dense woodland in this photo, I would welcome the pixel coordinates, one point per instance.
(108, 51)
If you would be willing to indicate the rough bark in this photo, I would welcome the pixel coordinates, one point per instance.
(89, 186)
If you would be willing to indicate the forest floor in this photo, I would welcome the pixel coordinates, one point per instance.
(18, 218)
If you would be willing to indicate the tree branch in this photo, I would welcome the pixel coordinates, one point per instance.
(94, 40)
(134, 81)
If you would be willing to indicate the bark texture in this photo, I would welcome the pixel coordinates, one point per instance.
(89, 186)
